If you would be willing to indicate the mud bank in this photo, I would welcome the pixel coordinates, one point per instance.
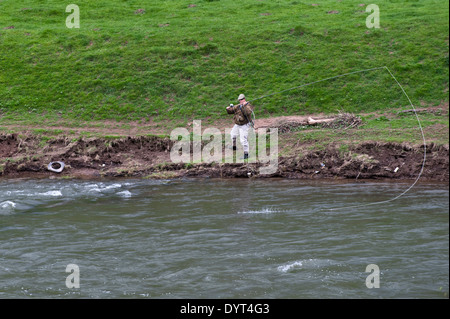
(149, 157)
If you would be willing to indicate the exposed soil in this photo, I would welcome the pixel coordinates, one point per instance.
(146, 156)
(28, 154)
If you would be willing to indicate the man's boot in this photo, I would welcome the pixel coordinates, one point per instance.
(233, 147)
(245, 156)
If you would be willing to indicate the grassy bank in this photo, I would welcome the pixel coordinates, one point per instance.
(148, 61)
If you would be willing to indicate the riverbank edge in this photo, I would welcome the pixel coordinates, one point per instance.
(149, 157)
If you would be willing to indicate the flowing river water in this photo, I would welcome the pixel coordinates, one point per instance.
(138, 238)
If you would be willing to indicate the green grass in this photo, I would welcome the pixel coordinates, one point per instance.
(182, 62)
(408, 121)
(400, 128)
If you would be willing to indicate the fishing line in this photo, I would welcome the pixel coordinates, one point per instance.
(415, 112)
(423, 162)
(323, 80)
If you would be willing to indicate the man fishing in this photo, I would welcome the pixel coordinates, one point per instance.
(242, 122)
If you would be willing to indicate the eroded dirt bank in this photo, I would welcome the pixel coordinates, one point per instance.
(146, 156)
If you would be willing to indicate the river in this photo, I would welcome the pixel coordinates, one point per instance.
(241, 238)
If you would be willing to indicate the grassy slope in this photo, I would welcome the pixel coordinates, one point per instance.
(177, 61)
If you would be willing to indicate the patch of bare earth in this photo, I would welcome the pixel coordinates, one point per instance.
(138, 153)
(147, 156)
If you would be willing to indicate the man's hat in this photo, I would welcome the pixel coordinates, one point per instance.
(241, 96)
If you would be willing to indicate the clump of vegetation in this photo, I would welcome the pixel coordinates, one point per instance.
(343, 121)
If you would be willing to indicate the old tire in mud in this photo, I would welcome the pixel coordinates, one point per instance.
(56, 167)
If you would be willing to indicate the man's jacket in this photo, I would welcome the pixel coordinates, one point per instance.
(239, 116)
